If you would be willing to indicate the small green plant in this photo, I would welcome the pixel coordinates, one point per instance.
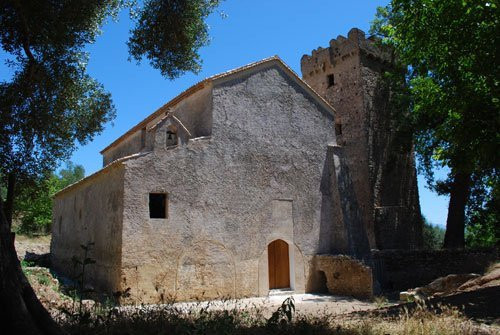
(26, 264)
(380, 301)
(43, 279)
(284, 313)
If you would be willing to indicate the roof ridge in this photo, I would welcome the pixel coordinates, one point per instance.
(201, 84)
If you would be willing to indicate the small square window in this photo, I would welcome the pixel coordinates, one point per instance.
(158, 205)
(331, 80)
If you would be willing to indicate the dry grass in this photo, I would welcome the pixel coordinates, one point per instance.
(170, 320)
(419, 322)
(493, 266)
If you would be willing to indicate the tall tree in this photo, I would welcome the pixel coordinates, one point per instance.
(450, 50)
(51, 103)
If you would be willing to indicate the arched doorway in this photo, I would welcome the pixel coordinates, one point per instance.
(279, 264)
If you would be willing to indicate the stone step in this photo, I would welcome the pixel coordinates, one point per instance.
(281, 291)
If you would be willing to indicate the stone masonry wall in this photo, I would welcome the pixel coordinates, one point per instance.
(403, 269)
(345, 275)
(379, 157)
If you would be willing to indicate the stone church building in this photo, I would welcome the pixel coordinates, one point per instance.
(236, 185)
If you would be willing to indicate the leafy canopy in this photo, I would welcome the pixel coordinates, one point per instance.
(170, 33)
(51, 103)
(449, 49)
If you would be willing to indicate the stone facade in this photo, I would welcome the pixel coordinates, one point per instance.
(397, 270)
(344, 276)
(252, 174)
(190, 200)
(349, 75)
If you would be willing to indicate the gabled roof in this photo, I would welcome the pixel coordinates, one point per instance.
(216, 79)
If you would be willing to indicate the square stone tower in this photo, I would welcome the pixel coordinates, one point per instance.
(349, 74)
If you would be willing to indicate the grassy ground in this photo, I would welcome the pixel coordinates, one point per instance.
(89, 317)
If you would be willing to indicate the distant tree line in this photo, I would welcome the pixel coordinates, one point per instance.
(32, 213)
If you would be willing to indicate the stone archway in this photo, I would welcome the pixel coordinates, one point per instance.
(279, 264)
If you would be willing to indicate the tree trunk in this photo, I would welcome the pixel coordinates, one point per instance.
(9, 202)
(20, 310)
(455, 224)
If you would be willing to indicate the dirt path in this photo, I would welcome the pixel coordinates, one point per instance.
(36, 245)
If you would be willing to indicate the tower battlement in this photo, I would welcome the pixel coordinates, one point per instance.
(341, 48)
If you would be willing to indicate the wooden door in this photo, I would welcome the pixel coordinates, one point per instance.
(279, 264)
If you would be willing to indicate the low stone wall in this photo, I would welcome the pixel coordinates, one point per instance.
(345, 275)
(402, 269)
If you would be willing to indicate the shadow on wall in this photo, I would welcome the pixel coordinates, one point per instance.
(317, 282)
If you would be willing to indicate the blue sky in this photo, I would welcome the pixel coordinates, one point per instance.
(251, 30)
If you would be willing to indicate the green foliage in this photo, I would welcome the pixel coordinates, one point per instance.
(433, 235)
(169, 33)
(51, 103)
(34, 200)
(450, 51)
(483, 228)
(451, 48)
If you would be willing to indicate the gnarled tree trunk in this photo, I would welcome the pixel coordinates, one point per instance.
(9, 201)
(20, 310)
(455, 223)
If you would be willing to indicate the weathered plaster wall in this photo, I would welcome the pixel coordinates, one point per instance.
(133, 144)
(90, 211)
(258, 178)
(379, 157)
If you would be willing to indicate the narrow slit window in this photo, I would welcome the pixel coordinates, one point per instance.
(158, 205)
(338, 128)
(171, 136)
(331, 80)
